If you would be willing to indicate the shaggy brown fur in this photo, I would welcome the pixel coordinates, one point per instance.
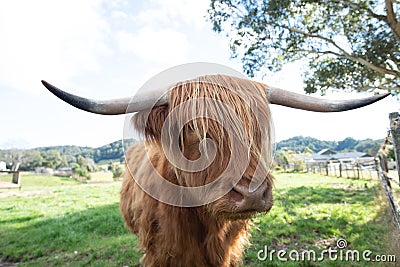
(214, 234)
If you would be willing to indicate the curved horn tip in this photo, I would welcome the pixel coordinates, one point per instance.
(47, 85)
(385, 94)
(44, 82)
(379, 97)
(103, 107)
(299, 101)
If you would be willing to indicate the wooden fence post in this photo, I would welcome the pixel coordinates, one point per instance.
(327, 168)
(395, 131)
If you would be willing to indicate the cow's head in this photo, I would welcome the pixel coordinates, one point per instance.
(215, 132)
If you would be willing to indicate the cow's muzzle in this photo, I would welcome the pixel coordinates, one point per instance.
(258, 200)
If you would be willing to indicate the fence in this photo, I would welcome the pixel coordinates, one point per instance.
(362, 168)
(393, 204)
(15, 180)
(395, 136)
(383, 171)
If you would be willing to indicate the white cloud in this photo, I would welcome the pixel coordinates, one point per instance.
(154, 16)
(159, 46)
(162, 30)
(119, 14)
(101, 49)
(175, 13)
(44, 38)
(191, 12)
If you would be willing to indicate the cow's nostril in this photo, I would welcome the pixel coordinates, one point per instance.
(235, 195)
(265, 195)
(247, 200)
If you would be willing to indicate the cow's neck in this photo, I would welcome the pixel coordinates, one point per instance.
(192, 236)
(219, 242)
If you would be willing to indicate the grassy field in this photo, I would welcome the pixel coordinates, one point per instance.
(58, 222)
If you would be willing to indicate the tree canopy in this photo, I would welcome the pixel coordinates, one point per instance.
(300, 144)
(347, 44)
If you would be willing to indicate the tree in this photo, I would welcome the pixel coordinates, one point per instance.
(51, 159)
(302, 144)
(346, 144)
(81, 167)
(81, 161)
(307, 150)
(12, 158)
(30, 160)
(81, 172)
(350, 45)
(117, 171)
(281, 160)
(369, 146)
(295, 160)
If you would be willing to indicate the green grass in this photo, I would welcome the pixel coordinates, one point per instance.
(58, 222)
(313, 212)
(75, 225)
(31, 181)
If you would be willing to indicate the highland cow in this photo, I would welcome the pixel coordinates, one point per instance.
(212, 136)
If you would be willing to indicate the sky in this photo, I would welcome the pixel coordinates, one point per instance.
(108, 49)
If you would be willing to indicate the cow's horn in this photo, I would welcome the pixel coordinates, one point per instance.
(110, 107)
(275, 96)
(289, 99)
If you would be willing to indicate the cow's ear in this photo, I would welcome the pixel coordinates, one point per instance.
(150, 123)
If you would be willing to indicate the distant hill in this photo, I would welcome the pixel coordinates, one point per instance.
(61, 156)
(112, 151)
(301, 144)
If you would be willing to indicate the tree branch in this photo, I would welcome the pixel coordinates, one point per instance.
(377, 16)
(392, 20)
(369, 11)
(318, 52)
(310, 35)
(344, 53)
(371, 88)
(366, 88)
(374, 67)
(356, 6)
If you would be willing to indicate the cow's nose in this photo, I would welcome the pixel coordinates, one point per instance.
(258, 200)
